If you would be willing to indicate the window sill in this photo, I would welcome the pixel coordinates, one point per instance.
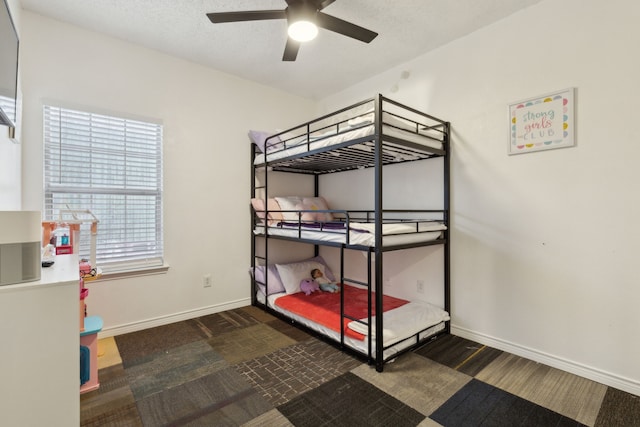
(147, 271)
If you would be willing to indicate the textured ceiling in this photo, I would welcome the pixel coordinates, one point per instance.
(253, 50)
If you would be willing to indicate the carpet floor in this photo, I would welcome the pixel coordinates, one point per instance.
(245, 367)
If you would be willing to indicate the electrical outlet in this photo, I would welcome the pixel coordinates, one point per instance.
(420, 286)
(206, 280)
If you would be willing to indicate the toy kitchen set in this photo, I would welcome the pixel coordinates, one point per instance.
(62, 237)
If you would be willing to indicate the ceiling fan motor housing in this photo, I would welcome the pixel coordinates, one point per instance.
(303, 10)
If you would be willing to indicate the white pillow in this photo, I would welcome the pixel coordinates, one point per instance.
(289, 203)
(293, 274)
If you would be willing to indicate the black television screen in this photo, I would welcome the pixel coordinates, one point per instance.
(8, 67)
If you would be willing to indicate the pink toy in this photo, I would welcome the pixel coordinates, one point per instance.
(308, 286)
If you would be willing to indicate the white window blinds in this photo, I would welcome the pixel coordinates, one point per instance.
(113, 167)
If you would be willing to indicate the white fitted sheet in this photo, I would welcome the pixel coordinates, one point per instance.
(393, 234)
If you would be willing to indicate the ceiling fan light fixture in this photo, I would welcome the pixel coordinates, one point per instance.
(303, 19)
(303, 31)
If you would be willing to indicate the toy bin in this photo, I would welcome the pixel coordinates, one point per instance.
(89, 339)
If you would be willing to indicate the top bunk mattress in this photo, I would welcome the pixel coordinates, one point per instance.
(406, 135)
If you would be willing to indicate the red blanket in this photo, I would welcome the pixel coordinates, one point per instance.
(324, 307)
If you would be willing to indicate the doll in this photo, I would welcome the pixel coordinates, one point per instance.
(325, 284)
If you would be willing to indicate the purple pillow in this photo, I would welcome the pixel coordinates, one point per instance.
(260, 139)
(275, 283)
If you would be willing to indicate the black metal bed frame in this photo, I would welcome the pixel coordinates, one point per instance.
(375, 150)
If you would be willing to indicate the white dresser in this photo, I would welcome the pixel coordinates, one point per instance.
(39, 348)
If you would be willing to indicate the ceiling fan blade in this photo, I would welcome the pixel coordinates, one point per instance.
(348, 29)
(252, 15)
(319, 4)
(291, 50)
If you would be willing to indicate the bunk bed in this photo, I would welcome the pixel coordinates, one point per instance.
(373, 133)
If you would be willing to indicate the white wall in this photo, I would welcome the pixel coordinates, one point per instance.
(543, 244)
(10, 152)
(401, 269)
(206, 115)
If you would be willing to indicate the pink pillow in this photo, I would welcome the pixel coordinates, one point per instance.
(274, 211)
(258, 206)
(272, 206)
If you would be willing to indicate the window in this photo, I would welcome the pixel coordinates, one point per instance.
(8, 106)
(113, 167)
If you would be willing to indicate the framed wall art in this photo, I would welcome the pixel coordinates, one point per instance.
(542, 123)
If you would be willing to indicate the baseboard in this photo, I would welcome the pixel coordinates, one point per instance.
(603, 377)
(171, 318)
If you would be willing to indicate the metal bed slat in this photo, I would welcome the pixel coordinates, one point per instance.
(350, 158)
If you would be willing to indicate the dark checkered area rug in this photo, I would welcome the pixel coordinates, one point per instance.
(245, 367)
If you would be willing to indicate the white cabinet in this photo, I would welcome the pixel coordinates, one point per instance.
(39, 348)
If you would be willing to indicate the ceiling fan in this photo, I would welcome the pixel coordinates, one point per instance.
(303, 18)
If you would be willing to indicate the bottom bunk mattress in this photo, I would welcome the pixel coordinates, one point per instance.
(405, 322)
